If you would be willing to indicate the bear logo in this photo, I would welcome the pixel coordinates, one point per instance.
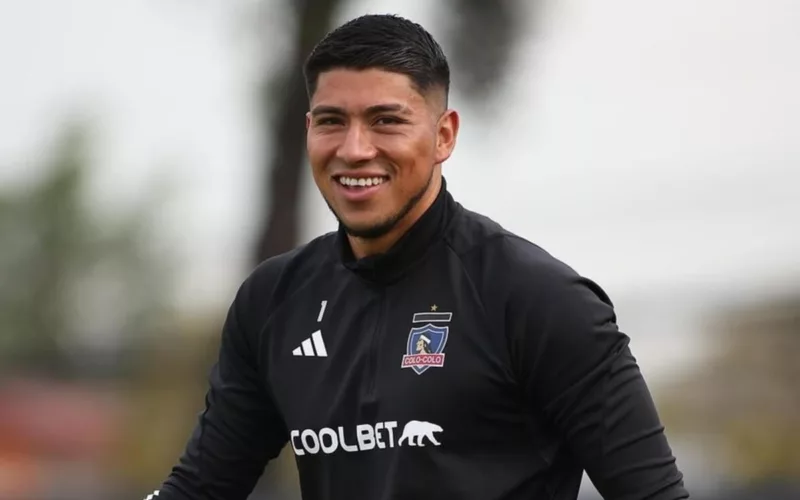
(419, 430)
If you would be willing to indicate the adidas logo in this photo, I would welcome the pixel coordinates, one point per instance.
(312, 346)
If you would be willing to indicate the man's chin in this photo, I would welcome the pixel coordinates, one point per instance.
(370, 227)
(368, 230)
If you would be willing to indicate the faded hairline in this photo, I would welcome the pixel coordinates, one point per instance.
(435, 94)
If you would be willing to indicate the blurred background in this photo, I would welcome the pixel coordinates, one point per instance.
(152, 153)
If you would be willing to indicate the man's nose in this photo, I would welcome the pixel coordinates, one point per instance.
(357, 146)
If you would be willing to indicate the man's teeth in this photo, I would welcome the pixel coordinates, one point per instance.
(360, 181)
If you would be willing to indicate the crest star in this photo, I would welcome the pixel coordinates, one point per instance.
(434, 307)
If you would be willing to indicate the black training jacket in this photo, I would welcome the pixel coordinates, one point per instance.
(466, 363)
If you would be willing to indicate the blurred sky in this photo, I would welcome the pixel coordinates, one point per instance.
(654, 146)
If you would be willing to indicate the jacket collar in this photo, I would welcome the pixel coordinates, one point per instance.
(390, 266)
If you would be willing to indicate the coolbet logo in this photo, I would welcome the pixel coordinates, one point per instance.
(367, 437)
(425, 348)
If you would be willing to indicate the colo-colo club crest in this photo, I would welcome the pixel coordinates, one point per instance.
(425, 347)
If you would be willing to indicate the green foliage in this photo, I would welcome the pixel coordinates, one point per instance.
(78, 288)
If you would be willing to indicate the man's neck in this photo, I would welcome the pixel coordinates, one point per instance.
(365, 247)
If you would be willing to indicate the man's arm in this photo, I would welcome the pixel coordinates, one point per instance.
(240, 429)
(577, 368)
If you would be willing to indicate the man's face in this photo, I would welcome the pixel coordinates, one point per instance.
(375, 143)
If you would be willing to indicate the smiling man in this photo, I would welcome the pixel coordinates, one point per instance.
(377, 140)
(421, 351)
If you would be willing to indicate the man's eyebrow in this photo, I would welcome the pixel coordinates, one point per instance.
(389, 108)
(327, 110)
(372, 110)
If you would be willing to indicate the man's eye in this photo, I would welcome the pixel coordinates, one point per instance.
(388, 120)
(329, 120)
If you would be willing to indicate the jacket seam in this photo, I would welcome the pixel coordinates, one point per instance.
(478, 292)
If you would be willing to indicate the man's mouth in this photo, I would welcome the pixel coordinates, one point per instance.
(357, 182)
(360, 188)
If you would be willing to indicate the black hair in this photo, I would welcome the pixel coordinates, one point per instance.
(381, 41)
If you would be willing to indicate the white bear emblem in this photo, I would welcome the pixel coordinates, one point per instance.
(419, 430)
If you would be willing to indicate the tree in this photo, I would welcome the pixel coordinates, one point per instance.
(482, 34)
(77, 287)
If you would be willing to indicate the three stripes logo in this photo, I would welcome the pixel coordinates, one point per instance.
(314, 346)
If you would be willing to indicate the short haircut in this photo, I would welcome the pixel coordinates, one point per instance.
(381, 41)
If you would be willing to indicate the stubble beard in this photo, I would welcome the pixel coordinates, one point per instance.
(384, 227)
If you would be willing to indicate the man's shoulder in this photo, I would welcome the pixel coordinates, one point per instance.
(505, 266)
(483, 242)
(281, 274)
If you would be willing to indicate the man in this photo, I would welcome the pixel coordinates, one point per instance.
(523, 380)
(422, 345)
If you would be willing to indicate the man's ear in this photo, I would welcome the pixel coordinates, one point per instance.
(447, 132)
(308, 119)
